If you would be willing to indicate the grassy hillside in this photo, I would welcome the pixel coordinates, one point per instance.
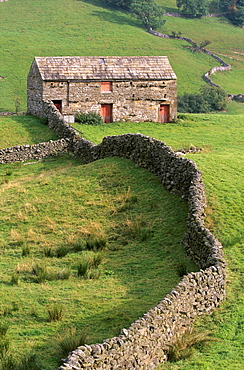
(50, 210)
(70, 27)
(222, 164)
(21, 130)
(105, 197)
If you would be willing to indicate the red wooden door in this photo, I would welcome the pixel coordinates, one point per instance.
(106, 113)
(164, 113)
(58, 105)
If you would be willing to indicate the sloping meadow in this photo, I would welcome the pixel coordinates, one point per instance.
(51, 214)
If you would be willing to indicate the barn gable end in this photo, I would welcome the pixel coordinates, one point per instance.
(119, 88)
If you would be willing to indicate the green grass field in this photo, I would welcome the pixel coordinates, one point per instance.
(34, 221)
(35, 28)
(53, 206)
(100, 200)
(21, 130)
(221, 137)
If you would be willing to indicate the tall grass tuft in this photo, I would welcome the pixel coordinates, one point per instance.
(4, 341)
(181, 269)
(78, 245)
(96, 243)
(97, 259)
(88, 266)
(9, 362)
(63, 274)
(28, 362)
(82, 268)
(25, 251)
(55, 313)
(4, 345)
(3, 328)
(70, 340)
(62, 251)
(40, 272)
(183, 348)
(14, 279)
(48, 252)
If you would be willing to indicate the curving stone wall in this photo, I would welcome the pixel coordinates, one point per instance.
(224, 66)
(145, 343)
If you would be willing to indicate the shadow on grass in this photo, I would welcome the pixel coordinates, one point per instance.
(37, 131)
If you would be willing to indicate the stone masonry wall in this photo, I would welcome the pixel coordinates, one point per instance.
(131, 100)
(145, 343)
(23, 153)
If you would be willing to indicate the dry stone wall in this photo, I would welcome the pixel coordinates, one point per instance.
(23, 153)
(224, 66)
(131, 100)
(145, 343)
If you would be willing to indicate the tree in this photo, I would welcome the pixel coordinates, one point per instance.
(120, 3)
(199, 47)
(215, 96)
(211, 98)
(148, 12)
(192, 103)
(193, 8)
(234, 10)
(237, 16)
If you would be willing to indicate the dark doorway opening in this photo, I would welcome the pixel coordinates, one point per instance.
(58, 104)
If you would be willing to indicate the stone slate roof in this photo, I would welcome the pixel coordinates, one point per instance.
(105, 68)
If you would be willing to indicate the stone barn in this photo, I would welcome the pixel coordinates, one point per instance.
(119, 88)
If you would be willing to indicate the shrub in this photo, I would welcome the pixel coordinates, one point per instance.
(70, 340)
(55, 313)
(120, 3)
(89, 118)
(148, 12)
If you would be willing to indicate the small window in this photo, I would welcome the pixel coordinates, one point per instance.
(106, 86)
